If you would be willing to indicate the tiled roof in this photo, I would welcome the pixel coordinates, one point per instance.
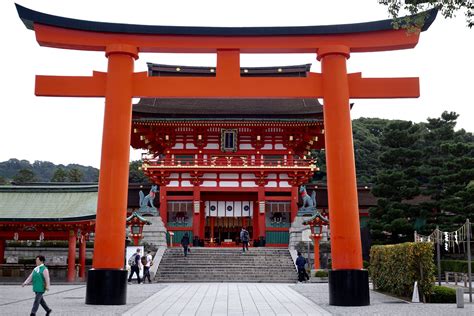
(48, 203)
(228, 108)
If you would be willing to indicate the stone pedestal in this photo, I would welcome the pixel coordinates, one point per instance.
(155, 233)
(295, 231)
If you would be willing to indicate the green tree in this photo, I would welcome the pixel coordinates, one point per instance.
(75, 175)
(24, 176)
(448, 172)
(396, 183)
(367, 149)
(60, 175)
(447, 8)
(3, 181)
(135, 174)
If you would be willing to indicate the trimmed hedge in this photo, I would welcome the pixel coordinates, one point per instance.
(443, 294)
(395, 268)
(455, 266)
(321, 274)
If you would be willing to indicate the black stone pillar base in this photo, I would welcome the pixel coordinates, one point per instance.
(106, 287)
(349, 288)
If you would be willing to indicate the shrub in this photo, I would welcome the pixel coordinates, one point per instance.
(365, 264)
(395, 268)
(321, 274)
(443, 294)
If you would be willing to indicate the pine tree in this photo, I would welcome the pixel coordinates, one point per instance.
(448, 172)
(75, 175)
(59, 176)
(397, 183)
(24, 176)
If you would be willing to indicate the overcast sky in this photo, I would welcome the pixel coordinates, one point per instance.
(69, 130)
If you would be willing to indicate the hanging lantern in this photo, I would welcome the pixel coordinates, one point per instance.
(136, 223)
(41, 237)
(15, 236)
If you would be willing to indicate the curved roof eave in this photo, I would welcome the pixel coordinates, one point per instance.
(29, 17)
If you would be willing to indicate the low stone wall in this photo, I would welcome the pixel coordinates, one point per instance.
(14, 272)
(54, 256)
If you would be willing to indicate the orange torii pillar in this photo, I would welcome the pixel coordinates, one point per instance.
(108, 276)
(348, 282)
(346, 247)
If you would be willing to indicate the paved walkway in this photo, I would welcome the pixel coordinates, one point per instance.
(227, 299)
(215, 299)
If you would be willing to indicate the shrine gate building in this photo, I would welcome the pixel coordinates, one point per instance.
(226, 163)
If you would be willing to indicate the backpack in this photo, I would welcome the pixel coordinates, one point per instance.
(246, 236)
(131, 261)
(143, 260)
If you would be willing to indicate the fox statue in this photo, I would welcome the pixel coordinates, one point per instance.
(309, 202)
(144, 200)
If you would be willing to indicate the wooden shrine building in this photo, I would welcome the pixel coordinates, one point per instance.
(226, 163)
(38, 212)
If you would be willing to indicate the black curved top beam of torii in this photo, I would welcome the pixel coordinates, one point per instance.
(29, 17)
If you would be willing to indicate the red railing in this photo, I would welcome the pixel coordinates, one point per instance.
(227, 162)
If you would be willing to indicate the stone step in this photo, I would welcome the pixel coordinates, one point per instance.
(227, 265)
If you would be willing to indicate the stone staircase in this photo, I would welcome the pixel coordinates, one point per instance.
(227, 265)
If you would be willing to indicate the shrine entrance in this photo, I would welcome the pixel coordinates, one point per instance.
(225, 231)
(122, 44)
(224, 221)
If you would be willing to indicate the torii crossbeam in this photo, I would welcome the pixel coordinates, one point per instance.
(122, 43)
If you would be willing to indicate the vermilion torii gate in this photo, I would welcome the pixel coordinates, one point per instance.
(122, 44)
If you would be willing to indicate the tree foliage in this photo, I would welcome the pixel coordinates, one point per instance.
(74, 175)
(59, 175)
(447, 8)
(426, 179)
(45, 170)
(24, 176)
(135, 173)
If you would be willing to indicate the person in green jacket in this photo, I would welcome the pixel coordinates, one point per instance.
(40, 278)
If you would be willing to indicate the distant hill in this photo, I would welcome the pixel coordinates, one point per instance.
(44, 170)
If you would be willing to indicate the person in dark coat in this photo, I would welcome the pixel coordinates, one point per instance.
(300, 263)
(244, 237)
(185, 244)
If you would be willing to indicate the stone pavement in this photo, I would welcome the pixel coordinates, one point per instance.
(380, 304)
(69, 300)
(227, 299)
(215, 299)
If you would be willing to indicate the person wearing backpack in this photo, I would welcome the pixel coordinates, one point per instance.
(244, 237)
(40, 278)
(134, 262)
(146, 263)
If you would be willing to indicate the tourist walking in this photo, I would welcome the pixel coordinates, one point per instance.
(244, 237)
(40, 278)
(185, 244)
(147, 262)
(134, 262)
(300, 264)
